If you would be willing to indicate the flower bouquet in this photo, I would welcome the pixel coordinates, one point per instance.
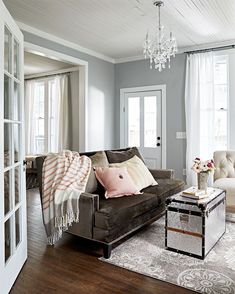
(203, 168)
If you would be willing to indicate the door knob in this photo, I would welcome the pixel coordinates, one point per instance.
(158, 144)
(158, 138)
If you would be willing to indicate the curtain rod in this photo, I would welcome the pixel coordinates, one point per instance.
(52, 73)
(211, 49)
(46, 76)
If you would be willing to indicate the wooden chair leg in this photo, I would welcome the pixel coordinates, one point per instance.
(107, 250)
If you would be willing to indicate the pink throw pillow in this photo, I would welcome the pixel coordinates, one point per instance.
(116, 181)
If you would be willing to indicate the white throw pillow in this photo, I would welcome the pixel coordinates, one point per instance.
(138, 171)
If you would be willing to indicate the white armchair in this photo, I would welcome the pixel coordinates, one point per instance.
(224, 176)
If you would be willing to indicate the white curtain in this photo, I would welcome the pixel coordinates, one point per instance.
(60, 127)
(199, 109)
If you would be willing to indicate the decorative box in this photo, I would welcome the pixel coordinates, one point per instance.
(193, 227)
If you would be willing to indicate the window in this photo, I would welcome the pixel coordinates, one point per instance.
(221, 101)
(44, 116)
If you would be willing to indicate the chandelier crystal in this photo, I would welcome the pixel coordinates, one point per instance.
(159, 48)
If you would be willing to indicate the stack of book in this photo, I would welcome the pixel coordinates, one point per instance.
(194, 193)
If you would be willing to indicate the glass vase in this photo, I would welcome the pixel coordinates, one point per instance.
(202, 181)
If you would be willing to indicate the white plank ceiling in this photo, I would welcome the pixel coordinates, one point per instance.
(116, 28)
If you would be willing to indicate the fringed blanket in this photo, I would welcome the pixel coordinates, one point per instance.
(64, 178)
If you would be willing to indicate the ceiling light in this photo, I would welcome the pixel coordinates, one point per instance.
(158, 48)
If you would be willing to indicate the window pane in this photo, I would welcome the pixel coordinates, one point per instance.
(221, 96)
(150, 121)
(7, 50)
(221, 130)
(39, 107)
(220, 70)
(134, 121)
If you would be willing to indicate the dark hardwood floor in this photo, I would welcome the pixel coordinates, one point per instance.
(72, 266)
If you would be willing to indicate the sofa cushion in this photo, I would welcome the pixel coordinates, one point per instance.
(119, 211)
(115, 156)
(227, 184)
(138, 171)
(165, 188)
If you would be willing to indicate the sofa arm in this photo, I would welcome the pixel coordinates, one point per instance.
(162, 173)
(88, 205)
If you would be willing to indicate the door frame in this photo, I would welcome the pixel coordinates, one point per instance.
(125, 91)
(83, 86)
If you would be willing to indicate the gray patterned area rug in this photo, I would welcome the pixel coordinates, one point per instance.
(145, 253)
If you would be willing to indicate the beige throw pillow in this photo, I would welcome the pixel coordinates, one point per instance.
(138, 171)
(99, 159)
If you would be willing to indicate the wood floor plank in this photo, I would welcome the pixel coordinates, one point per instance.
(72, 266)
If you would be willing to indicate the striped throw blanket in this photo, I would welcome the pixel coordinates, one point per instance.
(64, 178)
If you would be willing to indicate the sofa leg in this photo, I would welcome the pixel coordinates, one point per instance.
(107, 250)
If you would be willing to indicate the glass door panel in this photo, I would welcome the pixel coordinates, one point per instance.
(17, 184)
(7, 235)
(7, 145)
(7, 97)
(16, 59)
(7, 192)
(16, 101)
(150, 121)
(7, 50)
(17, 227)
(134, 121)
(16, 141)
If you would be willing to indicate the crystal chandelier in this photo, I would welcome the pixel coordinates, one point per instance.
(159, 48)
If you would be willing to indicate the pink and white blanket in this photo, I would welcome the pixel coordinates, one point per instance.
(64, 178)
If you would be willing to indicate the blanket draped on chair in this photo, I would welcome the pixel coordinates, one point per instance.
(64, 178)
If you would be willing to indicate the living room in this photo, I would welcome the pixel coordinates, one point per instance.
(167, 119)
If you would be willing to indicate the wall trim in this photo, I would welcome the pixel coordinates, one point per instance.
(162, 88)
(63, 42)
(83, 89)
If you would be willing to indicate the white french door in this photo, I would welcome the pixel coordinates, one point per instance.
(13, 238)
(143, 124)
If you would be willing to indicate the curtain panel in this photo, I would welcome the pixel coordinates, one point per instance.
(199, 110)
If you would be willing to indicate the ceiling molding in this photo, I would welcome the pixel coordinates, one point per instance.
(63, 42)
(72, 45)
(129, 59)
(181, 50)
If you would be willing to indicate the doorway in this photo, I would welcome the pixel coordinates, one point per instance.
(143, 123)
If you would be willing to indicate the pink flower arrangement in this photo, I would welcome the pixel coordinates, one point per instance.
(203, 166)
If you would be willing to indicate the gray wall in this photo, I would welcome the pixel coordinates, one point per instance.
(104, 83)
(136, 74)
(100, 94)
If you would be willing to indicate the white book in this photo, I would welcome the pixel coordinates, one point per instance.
(194, 193)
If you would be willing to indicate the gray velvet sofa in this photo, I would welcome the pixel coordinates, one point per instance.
(106, 221)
